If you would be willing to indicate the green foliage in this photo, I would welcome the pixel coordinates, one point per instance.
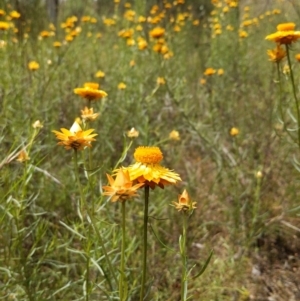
(245, 185)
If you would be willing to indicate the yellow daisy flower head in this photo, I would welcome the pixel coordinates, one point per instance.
(174, 135)
(57, 44)
(157, 32)
(90, 91)
(277, 54)
(88, 114)
(220, 71)
(23, 156)
(160, 81)
(121, 188)
(209, 71)
(121, 86)
(75, 138)
(33, 66)
(285, 34)
(184, 203)
(15, 15)
(148, 170)
(37, 125)
(297, 57)
(4, 25)
(100, 74)
(234, 131)
(133, 133)
(142, 44)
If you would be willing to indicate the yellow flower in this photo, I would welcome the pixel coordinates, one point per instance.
(88, 114)
(209, 71)
(148, 170)
(2, 12)
(57, 44)
(234, 131)
(15, 15)
(184, 203)
(46, 34)
(277, 54)
(174, 135)
(37, 125)
(285, 34)
(221, 71)
(4, 25)
(142, 44)
(133, 133)
(75, 138)
(90, 91)
(202, 81)
(121, 86)
(23, 156)
(33, 66)
(121, 188)
(100, 74)
(160, 81)
(157, 32)
(297, 57)
(243, 34)
(286, 69)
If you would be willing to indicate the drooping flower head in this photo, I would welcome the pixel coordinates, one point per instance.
(90, 91)
(121, 188)
(75, 138)
(184, 203)
(285, 34)
(88, 114)
(148, 170)
(277, 54)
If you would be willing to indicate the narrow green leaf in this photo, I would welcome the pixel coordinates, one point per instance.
(205, 265)
(160, 240)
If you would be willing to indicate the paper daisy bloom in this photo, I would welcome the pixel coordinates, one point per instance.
(184, 203)
(285, 34)
(157, 32)
(33, 66)
(90, 91)
(277, 54)
(75, 138)
(88, 114)
(121, 188)
(148, 170)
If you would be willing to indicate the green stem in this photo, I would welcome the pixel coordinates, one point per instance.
(184, 260)
(100, 239)
(145, 233)
(256, 206)
(294, 92)
(87, 275)
(76, 167)
(281, 104)
(87, 251)
(122, 266)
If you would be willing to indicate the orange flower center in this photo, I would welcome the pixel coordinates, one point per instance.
(148, 154)
(286, 27)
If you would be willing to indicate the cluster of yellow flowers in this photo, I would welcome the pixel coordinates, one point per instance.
(76, 138)
(285, 35)
(146, 171)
